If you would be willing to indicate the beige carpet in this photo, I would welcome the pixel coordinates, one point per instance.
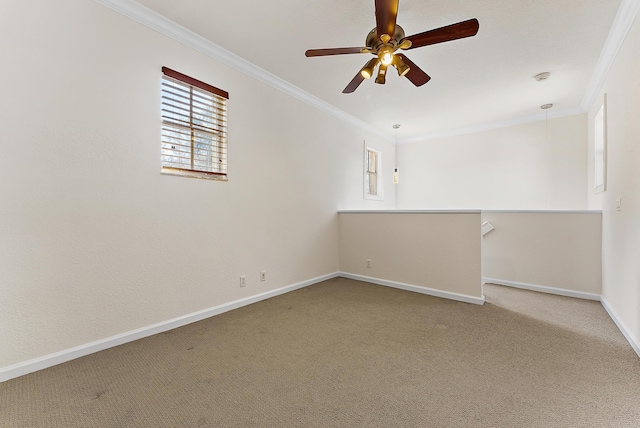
(348, 354)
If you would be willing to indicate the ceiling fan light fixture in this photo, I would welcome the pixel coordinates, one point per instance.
(382, 74)
(384, 40)
(367, 70)
(386, 56)
(399, 64)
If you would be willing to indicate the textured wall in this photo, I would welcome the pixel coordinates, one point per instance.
(621, 229)
(438, 251)
(94, 241)
(551, 249)
(520, 167)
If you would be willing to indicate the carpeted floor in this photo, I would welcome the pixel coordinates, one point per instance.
(344, 353)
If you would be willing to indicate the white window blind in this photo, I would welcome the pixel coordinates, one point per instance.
(194, 126)
(372, 174)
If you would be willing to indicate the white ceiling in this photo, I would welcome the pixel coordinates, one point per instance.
(476, 81)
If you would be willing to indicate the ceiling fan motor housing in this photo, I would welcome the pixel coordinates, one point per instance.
(381, 44)
(374, 43)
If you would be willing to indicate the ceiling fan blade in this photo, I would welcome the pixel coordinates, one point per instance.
(335, 51)
(386, 13)
(444, 34)
(353, 85)
(415, 74)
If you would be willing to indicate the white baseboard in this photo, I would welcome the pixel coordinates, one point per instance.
(50, 360)
(544, 289)
(416, 289)
(56, 358)
(633, 341)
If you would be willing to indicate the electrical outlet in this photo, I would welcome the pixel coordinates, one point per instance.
(619, 204)
(263, 275)
(368, 263)
(243, 281)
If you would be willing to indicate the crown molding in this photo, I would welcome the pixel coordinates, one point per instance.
(624, 19)
(492, 125)
(621, 25)
(163, 25)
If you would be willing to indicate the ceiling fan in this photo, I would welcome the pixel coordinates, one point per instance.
(385, 40)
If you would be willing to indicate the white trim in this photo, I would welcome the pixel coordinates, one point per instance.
(486, 227)
(149, 18)
(492, 125)
(633, 341)
(410, 212)
(163, 25)
(26, 367)
(544, 289)
(542, 211)
(56, 358)
(621, 25)
(416, 288)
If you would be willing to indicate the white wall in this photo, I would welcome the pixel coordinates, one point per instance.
(534, 250)
(621, 229)
(94, 241)
(515, 167)
(414, 251)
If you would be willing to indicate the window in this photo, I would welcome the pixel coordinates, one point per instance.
(600, 143)
(194, 127)
(372, 174)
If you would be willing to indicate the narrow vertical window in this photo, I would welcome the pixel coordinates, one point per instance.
(194, 127)
(600, 144)
(372, 174)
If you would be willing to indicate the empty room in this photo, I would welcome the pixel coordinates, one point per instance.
(368, 213)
